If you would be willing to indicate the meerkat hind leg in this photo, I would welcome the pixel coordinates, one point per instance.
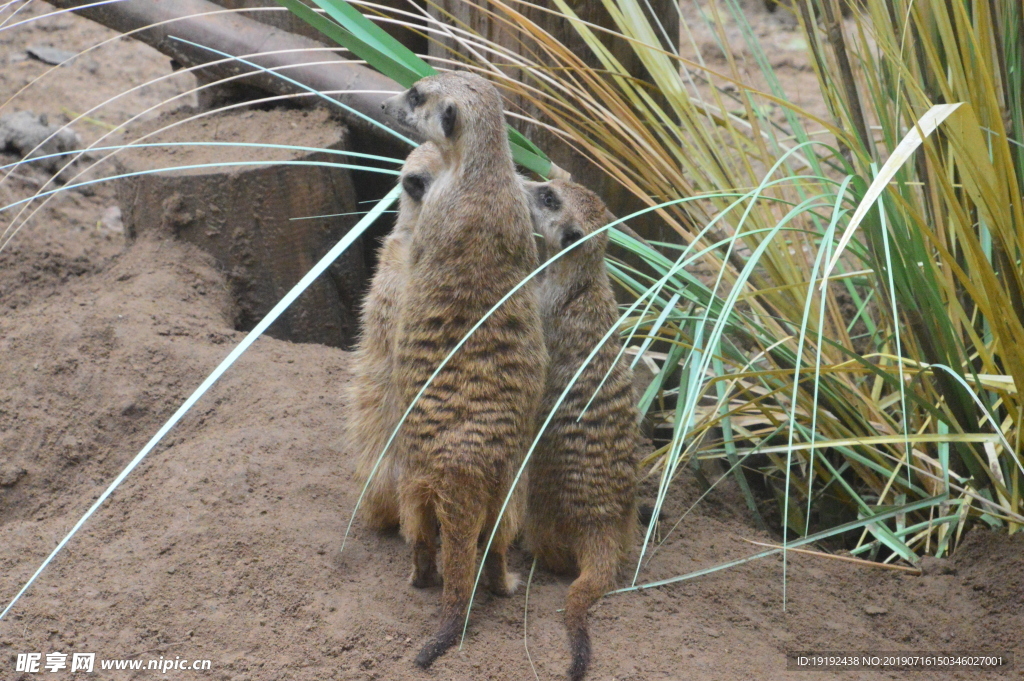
(500, 581)
(419, 527)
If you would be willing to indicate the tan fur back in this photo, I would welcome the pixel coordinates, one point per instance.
(374, 405)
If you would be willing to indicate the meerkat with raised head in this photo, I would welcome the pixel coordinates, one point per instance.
(581, 510)
(467, 435)
(374, 405)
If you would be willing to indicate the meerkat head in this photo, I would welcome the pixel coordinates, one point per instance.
(421, 166)
(563, 213)
(444, 107)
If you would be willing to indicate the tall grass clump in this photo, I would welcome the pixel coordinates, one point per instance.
(856, 344)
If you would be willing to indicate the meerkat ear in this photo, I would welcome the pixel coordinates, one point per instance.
(448, 117)
(415, 185)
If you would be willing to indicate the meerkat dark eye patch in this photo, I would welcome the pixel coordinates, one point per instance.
(414, 97)
(448, 117)
(416, 185)
(571, 235)
(547, 198)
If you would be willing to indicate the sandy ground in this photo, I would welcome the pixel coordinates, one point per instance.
(224, 544)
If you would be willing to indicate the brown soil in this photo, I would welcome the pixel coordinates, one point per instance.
(224, 544)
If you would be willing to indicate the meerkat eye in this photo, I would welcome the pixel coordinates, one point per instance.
(548, 199)
(415, 98)
(415, 186)
(570, 236)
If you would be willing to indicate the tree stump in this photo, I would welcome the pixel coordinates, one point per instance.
(245, 215)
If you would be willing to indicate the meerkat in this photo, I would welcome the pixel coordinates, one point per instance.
(375, 408)
(467, 435)
(581, 508)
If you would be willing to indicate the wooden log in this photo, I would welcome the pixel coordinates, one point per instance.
(243, 215)
(357, 86)
(414, 40)
(214, 95)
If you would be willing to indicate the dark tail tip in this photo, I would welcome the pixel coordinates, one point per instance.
(429, 653)
(579, 646)
(437, 646)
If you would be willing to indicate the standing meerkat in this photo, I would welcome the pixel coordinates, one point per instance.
(581, 510)
(374, 404)
(466, 437)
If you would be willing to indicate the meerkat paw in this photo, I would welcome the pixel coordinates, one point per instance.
(505, 586)
(424, 579)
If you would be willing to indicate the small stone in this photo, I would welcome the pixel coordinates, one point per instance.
(50, 55)
(10, 476)
(32, 136)
(713, 633)
(110, 220)
(171, 571)
(874, 610)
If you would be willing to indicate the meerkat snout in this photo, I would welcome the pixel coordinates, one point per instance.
(425, 110)
(570, 235)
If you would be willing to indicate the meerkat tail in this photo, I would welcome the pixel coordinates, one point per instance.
(444, 639)
(579, 646)
(598, 564)
(459, 533)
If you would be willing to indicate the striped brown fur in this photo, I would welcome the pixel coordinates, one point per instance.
(467, 436)
(374, 404)
(581, 510)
